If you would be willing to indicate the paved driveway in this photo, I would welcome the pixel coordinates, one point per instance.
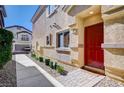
(28, 75)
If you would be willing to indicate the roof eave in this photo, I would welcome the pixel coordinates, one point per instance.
(18, 26)
(2, 8)
(38, 12)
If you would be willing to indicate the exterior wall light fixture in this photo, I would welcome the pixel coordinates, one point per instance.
(91, 12)
(74, 30)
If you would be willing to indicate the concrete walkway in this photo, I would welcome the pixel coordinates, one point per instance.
(30, 74)
(30, 77)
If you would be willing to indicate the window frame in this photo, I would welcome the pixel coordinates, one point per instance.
(63, 37)
(24, 38)
(47, 40)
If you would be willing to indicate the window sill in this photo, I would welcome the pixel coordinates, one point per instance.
(49, 47)
(21, 41)
(63, 49)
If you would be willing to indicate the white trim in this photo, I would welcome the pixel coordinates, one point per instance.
(26, 43)
(63, 49)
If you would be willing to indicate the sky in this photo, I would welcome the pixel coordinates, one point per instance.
(20, 15)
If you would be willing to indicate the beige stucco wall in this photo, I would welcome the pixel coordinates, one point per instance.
(41, 28)
(114, 35)
(38, 32)
(63, 20)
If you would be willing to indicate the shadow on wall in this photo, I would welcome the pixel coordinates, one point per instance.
(116, 51)
(117, 20)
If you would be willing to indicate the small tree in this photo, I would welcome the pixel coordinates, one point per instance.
(6, 38)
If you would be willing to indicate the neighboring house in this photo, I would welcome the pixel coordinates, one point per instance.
(2, 15)
(22, 38)
(86, 36)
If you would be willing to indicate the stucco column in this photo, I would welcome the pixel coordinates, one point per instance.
(113, 42)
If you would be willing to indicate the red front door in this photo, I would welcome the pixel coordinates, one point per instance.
(94, 55)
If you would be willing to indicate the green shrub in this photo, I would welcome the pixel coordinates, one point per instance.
(33, 55)
(60, 69)
(6, 38)
(51, 65)
(36, 58)
(41, 59)
(55, 66)
(47, 61)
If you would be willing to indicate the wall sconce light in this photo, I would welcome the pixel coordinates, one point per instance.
(91, 12)
(74, 30)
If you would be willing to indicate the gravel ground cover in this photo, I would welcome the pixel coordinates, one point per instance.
(109, 82)
(5, 81)
(8, 75)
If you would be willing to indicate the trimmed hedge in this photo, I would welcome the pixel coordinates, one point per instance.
(6, 38)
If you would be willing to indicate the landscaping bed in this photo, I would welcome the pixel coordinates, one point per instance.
(51, 70)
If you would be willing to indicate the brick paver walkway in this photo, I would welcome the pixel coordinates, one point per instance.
(80, 78)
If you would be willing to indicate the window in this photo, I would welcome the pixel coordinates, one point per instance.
(49, 39)
(66, 39)
(51, 9)
(60, 40)
(25, 38)
(63, 39)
